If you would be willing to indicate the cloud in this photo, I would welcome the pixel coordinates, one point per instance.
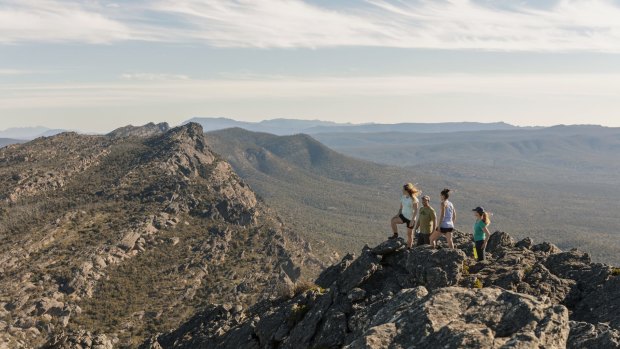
(14, 72)
(565, 25)
(58, 21)
(153, 77)
(140, 92)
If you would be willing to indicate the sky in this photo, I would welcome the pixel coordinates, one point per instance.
(96, 65)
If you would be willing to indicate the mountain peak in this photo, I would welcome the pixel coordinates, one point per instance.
(144, 131)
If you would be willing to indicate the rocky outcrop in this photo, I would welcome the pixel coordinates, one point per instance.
(126, 233)
(524, 296)
(80, 340)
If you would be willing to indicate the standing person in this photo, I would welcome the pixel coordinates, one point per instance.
(427, 222)
(407, 213)
(481, 231)
(447, 218)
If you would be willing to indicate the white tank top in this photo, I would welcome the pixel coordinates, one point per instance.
(448, 216)
(407, 202)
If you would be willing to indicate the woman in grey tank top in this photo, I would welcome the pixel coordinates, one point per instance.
(446, 220)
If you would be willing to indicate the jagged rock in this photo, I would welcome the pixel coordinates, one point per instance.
(546, 248)
(356, 294)
(129, 240)
(452, 317)
(586, 335)
(540, 281)
(389, 246)
(331, 274)
(499, 240)
(577, 266)
(526, 243)
(358, 271)
(79, 340)
(412, 299)
(602, 305)
(49, 306)
(428, 267)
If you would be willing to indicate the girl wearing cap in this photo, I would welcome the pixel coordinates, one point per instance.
(407, 213)
(481, 231)
(447, 218)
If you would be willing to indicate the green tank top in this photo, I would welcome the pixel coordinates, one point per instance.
(479, 230)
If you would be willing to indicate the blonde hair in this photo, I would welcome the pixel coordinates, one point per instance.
(412, 189)
(486, 218)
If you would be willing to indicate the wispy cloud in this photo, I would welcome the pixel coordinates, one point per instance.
(59, 21)
(566, 25)
(181, 91)
(153, 77)
(14, 72)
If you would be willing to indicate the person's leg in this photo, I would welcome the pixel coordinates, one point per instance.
(409, 237)
(449, 238)
(434, 237)
(395, 221)
(426, 239)
(420, 239)
(480, 250)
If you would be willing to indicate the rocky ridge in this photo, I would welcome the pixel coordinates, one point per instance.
(525, 295)
(105, 238)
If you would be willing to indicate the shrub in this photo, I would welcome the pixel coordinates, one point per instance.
(305, 285)
(478, 283)
(615, 271)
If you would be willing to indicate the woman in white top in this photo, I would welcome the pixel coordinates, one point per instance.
(408, 212)
(446, 219)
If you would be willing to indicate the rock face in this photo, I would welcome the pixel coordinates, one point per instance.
(524, 296)
(123, 235)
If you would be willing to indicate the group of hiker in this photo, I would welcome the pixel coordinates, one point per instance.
(430, 227)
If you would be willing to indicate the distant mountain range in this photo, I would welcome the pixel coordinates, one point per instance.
(291, 126)
(554, 184)
(28, 133)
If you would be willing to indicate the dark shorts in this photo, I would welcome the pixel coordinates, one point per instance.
(406, 221)
(424, 239)
(446, 230)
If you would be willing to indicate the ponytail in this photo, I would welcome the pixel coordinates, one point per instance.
(486, 218)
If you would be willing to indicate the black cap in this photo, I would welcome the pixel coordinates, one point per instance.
(479, 209)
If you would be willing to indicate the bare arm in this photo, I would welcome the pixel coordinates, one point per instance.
(454, 216)
(443, 212)
(434, 220)
(416, 209)
(487, 235)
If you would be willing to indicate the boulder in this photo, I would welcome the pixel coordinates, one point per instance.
(602, 305)
(455, 317)
(586, 335)
(499, 240)
(129, 240)
(389, 246)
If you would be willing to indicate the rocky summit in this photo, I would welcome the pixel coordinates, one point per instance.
(108, 240)
(525, 295)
